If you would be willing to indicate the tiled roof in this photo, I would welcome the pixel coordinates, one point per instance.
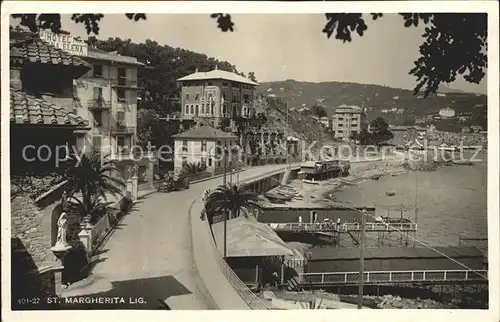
(27, 109)
(35, 50)
(218, 74)
(98, 54)
(204, 132)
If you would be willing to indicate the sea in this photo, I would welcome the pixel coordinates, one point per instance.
(451, 202)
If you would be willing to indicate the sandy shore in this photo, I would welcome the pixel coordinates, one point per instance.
(320, 194)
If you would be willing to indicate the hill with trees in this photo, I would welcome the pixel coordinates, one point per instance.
(375, 98)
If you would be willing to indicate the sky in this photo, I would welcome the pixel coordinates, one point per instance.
(285, 46)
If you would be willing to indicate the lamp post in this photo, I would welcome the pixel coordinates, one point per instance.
(361, 259)
(225, 210)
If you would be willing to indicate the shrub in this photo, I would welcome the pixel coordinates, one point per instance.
(34, 185)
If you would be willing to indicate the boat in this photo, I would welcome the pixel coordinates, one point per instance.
(390, 193)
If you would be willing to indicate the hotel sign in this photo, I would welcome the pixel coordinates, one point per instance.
(67, 43)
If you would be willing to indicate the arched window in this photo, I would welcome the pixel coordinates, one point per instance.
(196, 109)
(186, 110)
(192, 109)
(202, 109)
(211, 109)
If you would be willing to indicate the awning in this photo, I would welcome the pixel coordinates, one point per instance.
(248, 238)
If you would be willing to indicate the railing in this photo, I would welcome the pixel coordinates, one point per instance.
(127, 154)
(393, 277)
(121, 128)
(334, 227)
(98, 104)
(246, 294)
(123, 82)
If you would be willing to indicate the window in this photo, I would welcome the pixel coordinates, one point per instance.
(203, 146)
(224, 95)
(120, 94)
(75, 93)
(197, 96)
(98, 118)
(246, 99)
(210, 162)
(98, 71)
(122, 72)
(120, 141)
(184, 145)
(192, 109)
(196, 109)
(97, 93)
(210, 83)
(203, 109)
(187, 96)
(122, 76)
(186, 109)
(97, 142)
(120, 118)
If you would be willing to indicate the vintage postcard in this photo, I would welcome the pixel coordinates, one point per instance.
(250, 156)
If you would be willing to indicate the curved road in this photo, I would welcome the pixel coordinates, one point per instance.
(149, 256)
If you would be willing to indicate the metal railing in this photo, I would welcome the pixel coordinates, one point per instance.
(98, 104)
(246, 294)
(122, 128)
(345, 227)
(123, 82)
(392, 277)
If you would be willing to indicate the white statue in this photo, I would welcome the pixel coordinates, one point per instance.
(62, 230)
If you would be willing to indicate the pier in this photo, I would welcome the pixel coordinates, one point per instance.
(344, 228)
(393, 266)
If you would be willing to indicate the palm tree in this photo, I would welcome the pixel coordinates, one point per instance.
(230, 198)
(95, 210)
(193, 168)
(90, 176)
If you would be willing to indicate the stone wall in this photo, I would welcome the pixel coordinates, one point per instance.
(32, 226)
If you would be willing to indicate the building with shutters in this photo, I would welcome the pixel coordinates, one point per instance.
(216, 95)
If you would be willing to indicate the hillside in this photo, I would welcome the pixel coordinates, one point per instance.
(374, 97)
(303, 127)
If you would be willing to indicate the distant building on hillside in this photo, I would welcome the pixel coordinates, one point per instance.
(215, 95)
(347, 121)
(464, 116)
(447, 113)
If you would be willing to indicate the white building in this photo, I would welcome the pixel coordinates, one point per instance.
(447, 112)
(347, 121)
(202, 144)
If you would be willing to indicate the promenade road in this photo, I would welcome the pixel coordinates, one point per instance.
(149, 255)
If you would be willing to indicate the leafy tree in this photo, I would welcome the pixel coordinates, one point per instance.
(453, 43)
(380, 132)
(318, 110)
(91, 176)
(251, 76)
(232, 199)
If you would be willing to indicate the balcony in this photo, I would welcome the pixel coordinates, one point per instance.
(118, 128)
(123, 82)
(98, 104)
(127, 153)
